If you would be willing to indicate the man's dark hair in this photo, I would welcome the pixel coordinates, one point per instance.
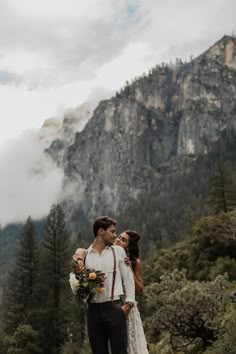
(103, 222)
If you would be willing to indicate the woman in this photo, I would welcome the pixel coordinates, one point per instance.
(129, 241)
(136, 338)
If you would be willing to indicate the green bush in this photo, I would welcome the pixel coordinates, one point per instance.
(25, 341)
(188, 311)
(76, 348)
(226, 344)
(4, 341)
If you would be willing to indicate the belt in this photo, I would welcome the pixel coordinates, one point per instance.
(117, 301)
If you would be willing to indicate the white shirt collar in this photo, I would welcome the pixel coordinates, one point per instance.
(91, 249)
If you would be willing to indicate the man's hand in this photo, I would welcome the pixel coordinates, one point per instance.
(126, 309)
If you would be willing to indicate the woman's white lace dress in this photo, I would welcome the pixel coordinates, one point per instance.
(136, 338)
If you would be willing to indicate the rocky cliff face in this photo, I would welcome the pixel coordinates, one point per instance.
(162, 122)
(58, 134)
(192, 102)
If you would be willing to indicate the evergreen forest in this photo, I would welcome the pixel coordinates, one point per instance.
(188, 304)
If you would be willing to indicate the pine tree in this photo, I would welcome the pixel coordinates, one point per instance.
(76, 328)
(19, 290)
(54, 291)
(25, 341)
(222, 196)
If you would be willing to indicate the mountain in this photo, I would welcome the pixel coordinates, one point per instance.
(147, 155)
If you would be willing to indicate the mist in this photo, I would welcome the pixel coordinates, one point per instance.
(30, 182)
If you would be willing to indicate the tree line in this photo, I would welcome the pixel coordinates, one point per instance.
(39, 312)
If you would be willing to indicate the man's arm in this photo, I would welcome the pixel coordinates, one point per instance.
(138, 278)
(128, 283)
(127, 278)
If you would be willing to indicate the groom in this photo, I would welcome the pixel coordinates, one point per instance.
(106, 316)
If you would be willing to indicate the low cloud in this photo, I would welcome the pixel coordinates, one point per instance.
(7, 78)
(29, 181)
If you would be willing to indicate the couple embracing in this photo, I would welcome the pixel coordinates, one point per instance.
(112, 316)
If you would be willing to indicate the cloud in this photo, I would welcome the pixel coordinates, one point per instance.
(181, 28)
(54, 43)
(7, 78)
(29, 182)
(61, 41)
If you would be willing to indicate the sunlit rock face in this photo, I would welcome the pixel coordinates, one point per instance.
(75, 120)
(224, 52)
(189, 100)
(175, 113)
(57, 134)
(50, 130)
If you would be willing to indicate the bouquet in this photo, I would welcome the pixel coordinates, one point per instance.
(86, 283)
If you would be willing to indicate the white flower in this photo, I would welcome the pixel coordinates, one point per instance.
(73, 283)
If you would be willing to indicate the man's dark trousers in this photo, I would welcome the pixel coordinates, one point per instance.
(107, 323)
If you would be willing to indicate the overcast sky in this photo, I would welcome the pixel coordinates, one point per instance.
(55, 54)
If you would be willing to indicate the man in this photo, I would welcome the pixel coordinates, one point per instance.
(106, 316)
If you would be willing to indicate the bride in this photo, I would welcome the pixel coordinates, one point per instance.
(136, 338)
(128, 240)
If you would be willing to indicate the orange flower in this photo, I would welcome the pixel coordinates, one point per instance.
(92, 276)
(100, 290)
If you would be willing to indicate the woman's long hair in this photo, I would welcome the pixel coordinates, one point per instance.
(133, 249)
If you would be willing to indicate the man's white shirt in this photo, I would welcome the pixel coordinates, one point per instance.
(124, 280)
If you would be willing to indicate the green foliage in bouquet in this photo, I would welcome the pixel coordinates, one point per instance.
(89, 281)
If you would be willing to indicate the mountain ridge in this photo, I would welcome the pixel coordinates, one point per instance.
(173, 113)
